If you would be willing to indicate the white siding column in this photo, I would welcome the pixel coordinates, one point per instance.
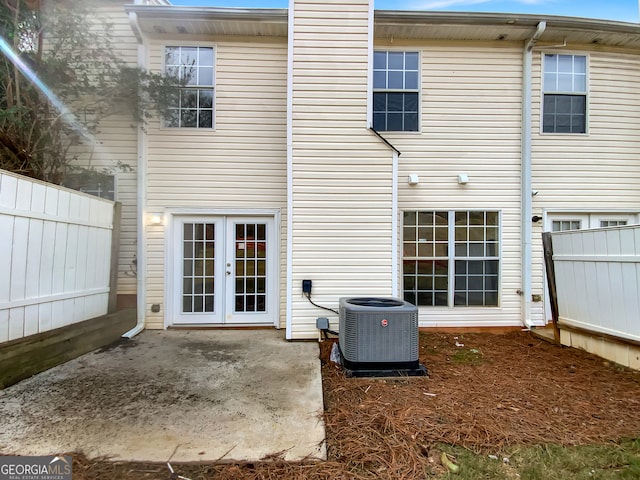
(341, 227)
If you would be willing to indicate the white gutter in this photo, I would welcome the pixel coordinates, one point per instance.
(141, 202)
(526, 189)
(289, 262)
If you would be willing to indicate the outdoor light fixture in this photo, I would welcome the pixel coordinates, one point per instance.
(155, 219)
(413, 179)
(463, 178)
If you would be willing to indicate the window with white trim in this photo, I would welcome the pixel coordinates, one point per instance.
(612, 223)
(562, 222)
(194, 67)
(565, 225)
(451, 258)
(395, 91)
(564, 108)
(98, 185)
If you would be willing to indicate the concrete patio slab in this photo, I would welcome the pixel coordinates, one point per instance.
(201, 395)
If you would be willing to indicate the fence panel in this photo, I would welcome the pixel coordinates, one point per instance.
(598, 279)
(55, 256)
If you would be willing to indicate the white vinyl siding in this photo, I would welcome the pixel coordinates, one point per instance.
(116, 143)
(341, 172)
(594, 173)
(240, 165)
(470, 117)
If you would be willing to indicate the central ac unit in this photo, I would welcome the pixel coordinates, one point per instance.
(379, 336)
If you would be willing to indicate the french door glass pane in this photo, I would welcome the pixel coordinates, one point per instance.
(198, 272)
(251, 267)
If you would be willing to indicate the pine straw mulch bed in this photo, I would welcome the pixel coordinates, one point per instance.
(494, 392)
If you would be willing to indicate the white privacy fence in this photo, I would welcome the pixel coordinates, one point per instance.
(55, 256)
(597, 275)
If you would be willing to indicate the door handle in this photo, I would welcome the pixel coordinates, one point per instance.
(228, 272)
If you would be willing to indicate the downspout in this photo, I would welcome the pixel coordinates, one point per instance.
(395, 269)
(141, 200)
(526, 188)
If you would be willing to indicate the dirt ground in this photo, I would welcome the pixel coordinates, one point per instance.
(484, 392)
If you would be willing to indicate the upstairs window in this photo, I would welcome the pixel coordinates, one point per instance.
(194, 67)
(395, 91)
(96, 184)
(565, 94)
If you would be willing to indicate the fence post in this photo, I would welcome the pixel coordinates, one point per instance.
(547, 244)
(115, 252)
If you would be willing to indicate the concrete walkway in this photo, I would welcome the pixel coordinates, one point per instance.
(206, 395)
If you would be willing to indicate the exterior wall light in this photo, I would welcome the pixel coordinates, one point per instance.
(156, 219)
(463, 178)
(413, 179)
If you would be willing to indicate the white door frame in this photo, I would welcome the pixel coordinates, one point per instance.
(171, 246)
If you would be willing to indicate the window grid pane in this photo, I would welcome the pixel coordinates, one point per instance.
(476, 277)
(251, 267)
(565, 94)
(198, 272)
(425, 257)
(565, 225)
(564, 114)
(396, 112)
(612, 223)
(565, 73)
(427, 267)
(102, 186)
(193, 66)
(396, 84)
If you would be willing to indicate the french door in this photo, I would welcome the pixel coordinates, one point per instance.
(224, 271)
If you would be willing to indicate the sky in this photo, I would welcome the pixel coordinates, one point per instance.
(622, 10)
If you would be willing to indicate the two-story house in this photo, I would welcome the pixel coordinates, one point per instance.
(375, 153)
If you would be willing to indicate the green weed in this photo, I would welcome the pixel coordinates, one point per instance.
(615, 461)
(467, 356)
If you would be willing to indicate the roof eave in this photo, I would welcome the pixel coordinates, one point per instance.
(203, 13)
(496, 19)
